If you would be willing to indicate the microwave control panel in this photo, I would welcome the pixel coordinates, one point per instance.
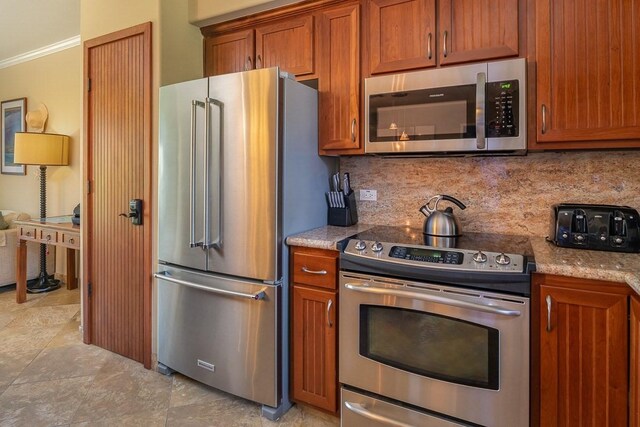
(502, 108)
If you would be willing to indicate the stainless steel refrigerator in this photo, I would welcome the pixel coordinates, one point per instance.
(238, 172)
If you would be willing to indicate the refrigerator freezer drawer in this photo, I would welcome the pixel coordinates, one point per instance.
(220, 331)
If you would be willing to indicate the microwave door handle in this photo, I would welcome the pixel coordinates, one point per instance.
(192, 174)
(493, 309)
(217, 243)
(480, 111)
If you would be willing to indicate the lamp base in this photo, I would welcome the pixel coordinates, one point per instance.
(43, 284)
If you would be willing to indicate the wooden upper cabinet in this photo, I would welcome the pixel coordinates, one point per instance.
(339, 80)
(588, 74)
(229, 53)
(634, 346)
(402, 35)
(288, 44)
(477, 30)
(584, 345)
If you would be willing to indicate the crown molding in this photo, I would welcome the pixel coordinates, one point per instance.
(39, 53)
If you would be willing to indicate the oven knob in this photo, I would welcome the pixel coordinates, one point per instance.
(502, 259)
(360, 245)
(376, 247)
(479, 257)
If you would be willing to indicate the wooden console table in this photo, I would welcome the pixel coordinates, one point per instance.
(57, 231)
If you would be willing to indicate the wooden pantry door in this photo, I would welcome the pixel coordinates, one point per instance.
(117, 253)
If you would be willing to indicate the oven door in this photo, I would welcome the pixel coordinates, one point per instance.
(453, 351)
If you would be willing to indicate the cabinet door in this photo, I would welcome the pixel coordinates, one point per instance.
(474, 30)
(287, 44)
(634, 395)
(583, 357)
(314, 348)
(401, 34)
(228, 53)
(339, 80)
(588, 69)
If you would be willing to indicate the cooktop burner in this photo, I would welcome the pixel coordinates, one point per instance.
(477, 260)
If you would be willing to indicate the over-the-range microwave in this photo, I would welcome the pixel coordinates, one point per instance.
(470, 109)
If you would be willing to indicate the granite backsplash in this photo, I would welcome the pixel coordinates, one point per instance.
(510, 195)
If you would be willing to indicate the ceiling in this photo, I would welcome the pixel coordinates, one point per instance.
(28, 25)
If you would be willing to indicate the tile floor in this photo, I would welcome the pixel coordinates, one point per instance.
(48, 377)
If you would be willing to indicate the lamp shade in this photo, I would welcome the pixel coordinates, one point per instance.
(44, 149)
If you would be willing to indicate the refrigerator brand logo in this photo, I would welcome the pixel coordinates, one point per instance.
(436, 95)
(208, 366)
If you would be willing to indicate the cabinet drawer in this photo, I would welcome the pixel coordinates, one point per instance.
(71, 240)
(28, 233)
(47, 236)
(315, 270)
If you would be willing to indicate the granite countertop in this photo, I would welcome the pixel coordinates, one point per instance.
(550, 259)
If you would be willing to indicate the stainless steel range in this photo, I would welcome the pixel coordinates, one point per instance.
(434, 336)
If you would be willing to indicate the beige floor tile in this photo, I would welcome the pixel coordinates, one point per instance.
(315, 418)
(124, 387)
(141, 419)
(59, 297)
(45, 316)
(64, 362)
(223, 413)
(186, 391)
(6, 318)
(16, 338)
(8, 302)
(69, 335)
(49, 403)
(13, 363)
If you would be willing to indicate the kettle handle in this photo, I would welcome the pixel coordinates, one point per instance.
(453, 200)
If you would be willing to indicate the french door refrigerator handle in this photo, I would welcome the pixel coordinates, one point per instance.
(493, 309)
(217, 243)
(192, 175)
(164, 275)
(365, 413)
(480, 113)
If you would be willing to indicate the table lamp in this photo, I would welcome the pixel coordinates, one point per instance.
(42, 149)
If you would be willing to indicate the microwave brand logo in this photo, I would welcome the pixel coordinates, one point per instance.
(436, 95)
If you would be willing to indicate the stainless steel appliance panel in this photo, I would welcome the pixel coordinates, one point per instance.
(502, 400)
(359, 410)
(243, 194)
(220, 331)
(180, 201)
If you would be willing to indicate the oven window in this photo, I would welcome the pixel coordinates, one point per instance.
(420, 115)
(431, 345)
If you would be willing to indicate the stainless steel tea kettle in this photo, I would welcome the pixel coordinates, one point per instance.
(441, 223)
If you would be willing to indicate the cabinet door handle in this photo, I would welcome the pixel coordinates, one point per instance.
(329, 305)
(353, 130)
(248, 65)
(444, 44)
(544, 119)
(259, 61)
(548, 299)
(71, 241)
(429, 46)
(320, 272)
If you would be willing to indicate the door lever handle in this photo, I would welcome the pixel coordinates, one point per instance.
(128, 215)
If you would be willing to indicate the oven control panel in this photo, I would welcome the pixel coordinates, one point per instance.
(433, 257)
(426, 255)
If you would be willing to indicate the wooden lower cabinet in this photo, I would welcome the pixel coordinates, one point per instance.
(634, 393)
(583, 349)
(314, 328)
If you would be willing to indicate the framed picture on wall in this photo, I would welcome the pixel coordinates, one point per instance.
(13, 120)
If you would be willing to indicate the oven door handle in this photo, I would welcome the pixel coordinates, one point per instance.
(493, 309)
(364, 412)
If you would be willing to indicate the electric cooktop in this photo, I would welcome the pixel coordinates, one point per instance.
(476, 260)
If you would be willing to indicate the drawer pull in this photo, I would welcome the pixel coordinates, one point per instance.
(48, 237)
(28, 233)
(548, 299)
(71, 241)
(319, 272)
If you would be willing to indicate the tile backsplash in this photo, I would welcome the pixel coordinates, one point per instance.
(511, 195)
